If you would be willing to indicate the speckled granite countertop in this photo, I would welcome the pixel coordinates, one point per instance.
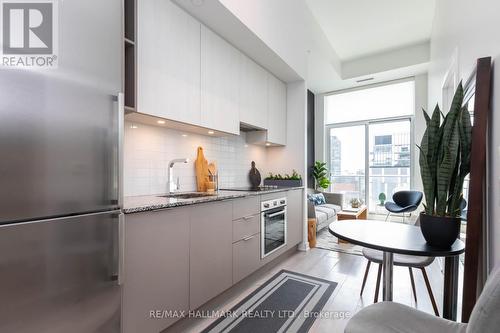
(144, 203)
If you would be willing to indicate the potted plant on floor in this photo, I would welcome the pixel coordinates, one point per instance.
(320, 172)
(382, 198)
(444, 164)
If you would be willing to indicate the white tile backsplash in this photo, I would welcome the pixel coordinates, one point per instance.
(148, 149)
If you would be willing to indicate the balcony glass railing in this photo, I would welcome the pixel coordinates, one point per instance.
(353, 186)
(387, 184)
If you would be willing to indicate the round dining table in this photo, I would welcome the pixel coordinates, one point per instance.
(399, 238)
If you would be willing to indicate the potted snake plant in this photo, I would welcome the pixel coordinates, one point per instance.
(444, 164)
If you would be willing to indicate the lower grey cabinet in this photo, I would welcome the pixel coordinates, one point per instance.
(245, 207)
(156, 268)
(246, 257)
(211, 257)
(245, 227)
(180, 258)
(295, 218)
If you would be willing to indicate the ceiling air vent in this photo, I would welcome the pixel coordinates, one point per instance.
(364, 80)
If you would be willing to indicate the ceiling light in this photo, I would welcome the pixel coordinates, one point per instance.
(210, 132)
(184, 135)
(268, 144)
(133, 126)
(161, 122)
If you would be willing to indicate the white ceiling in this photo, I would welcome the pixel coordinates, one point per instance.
(357, 28)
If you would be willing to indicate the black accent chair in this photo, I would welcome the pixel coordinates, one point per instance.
(404, 202)
(463, 210)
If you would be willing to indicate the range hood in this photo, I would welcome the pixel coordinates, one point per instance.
(257, 136)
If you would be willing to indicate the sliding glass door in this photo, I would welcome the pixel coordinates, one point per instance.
(347, 161)
(370, 158)
(390, 153)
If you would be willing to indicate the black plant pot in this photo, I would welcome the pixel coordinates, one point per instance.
(283, 182)
(440, 231)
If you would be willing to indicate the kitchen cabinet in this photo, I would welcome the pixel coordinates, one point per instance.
(220, 69)
(211, 248)
(246, 257)
(187, 73)
(168, 60)
(246, 237)
(179, 258)
(156, 268)
(276, 111)
(244, 207)
(253, 94)
(245, 227)
(275, 133)
(295, 218)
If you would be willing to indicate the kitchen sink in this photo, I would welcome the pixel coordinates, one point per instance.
(186, 195)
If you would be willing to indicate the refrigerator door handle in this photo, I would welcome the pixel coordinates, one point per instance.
(121, 122)
(121, 247)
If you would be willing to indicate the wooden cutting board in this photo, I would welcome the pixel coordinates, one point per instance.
(201, 166)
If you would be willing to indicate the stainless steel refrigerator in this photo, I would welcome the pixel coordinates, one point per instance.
(60, 198)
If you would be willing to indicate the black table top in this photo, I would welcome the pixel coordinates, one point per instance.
(390, 237)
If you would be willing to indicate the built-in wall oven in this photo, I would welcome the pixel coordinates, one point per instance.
(273, 225)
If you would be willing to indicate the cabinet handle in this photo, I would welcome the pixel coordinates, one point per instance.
(281, 212)
(121, 248)
(246, 218)
(248, 238)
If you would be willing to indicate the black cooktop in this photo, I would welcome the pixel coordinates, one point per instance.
(250, 189)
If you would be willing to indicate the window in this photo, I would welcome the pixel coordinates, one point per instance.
(370, 147)
(387, 101)
(347, 161)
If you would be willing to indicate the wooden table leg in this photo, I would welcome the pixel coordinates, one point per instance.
(450, 290)
(387, 269)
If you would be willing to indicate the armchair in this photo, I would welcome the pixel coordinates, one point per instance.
(393, 317)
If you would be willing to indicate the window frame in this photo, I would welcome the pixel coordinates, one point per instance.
(367, 123)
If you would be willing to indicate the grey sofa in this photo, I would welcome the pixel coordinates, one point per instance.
(326, 213)
(393, 317)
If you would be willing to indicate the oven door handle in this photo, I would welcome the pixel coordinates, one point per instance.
(281, 212)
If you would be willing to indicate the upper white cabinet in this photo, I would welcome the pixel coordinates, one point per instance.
(253, 94)
(220, 69)
(276, 111)
(189, 74)
(168, 83)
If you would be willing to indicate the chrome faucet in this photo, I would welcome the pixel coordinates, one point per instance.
(171, 185)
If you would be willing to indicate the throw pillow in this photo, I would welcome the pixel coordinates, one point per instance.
(317, 199)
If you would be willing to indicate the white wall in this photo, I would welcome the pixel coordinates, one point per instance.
(409, 56)
(289, 29)
(471, 28)
(269, 21)
(148, 149)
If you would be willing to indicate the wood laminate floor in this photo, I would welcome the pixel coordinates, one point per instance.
(345, 269)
